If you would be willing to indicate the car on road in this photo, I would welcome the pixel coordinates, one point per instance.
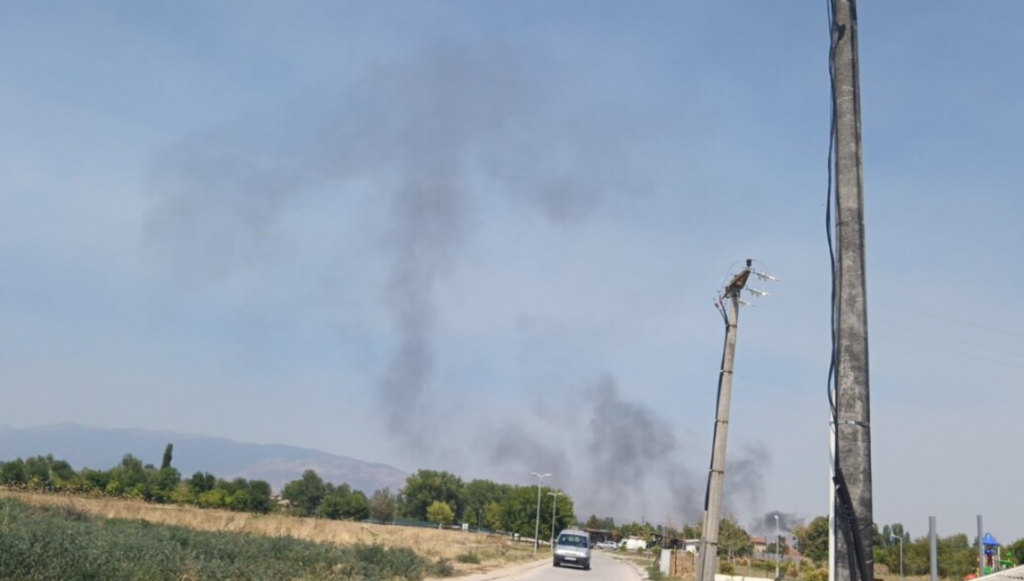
(572, 547)
(609, 545)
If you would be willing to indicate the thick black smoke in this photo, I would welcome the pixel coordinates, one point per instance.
(787, 522)
(624, 459)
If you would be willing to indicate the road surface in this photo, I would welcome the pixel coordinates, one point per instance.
(602, 568)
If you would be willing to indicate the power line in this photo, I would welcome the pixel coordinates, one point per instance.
(873, 303)
(950, 319)
(953, 339)
(947, 349)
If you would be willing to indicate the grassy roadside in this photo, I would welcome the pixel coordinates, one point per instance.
(466, 552)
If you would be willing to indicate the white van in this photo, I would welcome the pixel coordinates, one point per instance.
(572, 548)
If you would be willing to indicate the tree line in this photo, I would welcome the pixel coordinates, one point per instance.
(957, 554)
(437, 497)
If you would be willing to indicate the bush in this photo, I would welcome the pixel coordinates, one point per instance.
(470, 558)
(442, 568)
(726, 568)
(820, 574)
(654, 572)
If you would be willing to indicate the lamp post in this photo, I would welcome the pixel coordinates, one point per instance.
(554, 503)
(776, 547)
(900, 539)
(536, 529)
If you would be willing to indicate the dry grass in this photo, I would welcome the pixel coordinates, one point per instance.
(494, 551)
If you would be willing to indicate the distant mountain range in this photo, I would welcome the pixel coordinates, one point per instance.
(103, 448)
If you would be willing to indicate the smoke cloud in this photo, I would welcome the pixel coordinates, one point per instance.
(431, 138)
(787, 522)
(745, 467)
(624, 460)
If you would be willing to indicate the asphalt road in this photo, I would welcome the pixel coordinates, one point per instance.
(602, 568)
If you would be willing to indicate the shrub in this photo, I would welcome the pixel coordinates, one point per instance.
(470, 558)
(726, 568)
(441, 568)
(820, 574)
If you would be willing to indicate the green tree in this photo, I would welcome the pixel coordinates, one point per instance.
(813, 539)
(166, 481)
(202, 482)
(440, 513)
(13, 473)
(783, 547)
(519, 511)
(342, 502)
(47, 472)
(130, 479)
(957, 557)
(733, 539)
(239, 501)
(383, 505)
(259, 496)
(691, 531)
(216, 498)
(94, 479)
(477, 495)
(492, 516)
(168, 451)
(426, 486)
(306, 493)
(1015, 551)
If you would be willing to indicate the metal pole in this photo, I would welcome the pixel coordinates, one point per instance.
(933, 553)
(708, 556)
(554, 504)
(852, 377)
(536, 529)
(900, 539)
(901, 558)
(776, 547)
(981, 548)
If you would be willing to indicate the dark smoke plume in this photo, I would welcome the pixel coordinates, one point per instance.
(432, 138)
(745, 467)
(624, 461)
(418, 133)
(787, 522)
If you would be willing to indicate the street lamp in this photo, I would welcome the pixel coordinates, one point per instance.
(900, 539)
(536, 529)
(554, 503)
(776, 547)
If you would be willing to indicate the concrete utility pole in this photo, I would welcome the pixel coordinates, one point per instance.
(933, 548)
(853, 422)
(707, 558)
(981, 548)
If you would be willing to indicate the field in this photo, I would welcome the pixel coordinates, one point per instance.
(467, 552)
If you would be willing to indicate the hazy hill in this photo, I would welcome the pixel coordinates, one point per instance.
(102, 448)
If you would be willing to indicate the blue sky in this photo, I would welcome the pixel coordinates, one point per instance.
(485, 237)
